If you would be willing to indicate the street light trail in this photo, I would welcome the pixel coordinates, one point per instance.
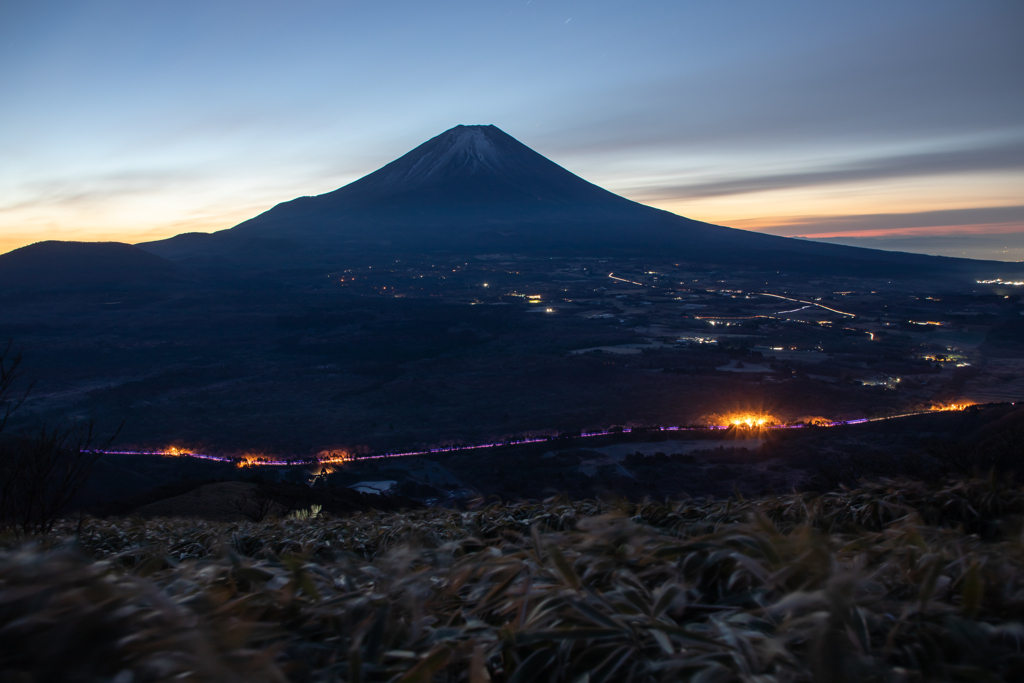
(639, 284)
(801, 301)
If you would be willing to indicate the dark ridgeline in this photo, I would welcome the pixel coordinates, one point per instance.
(475, 190)
(53, 264)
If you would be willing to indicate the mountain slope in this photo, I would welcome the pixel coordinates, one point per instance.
(468, 182)
(475, 189)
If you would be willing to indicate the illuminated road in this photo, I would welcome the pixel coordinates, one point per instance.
(260, 461)
(632, 282)
(809, 303)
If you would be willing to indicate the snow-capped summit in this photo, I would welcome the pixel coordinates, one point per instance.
(467, 146)
(463, 149)
(467, 164)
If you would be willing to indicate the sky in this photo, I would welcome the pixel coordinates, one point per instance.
(896, 125)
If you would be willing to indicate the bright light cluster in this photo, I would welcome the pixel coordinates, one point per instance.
(250, 460)
(952, 406)
(750, 420)
(334, 457)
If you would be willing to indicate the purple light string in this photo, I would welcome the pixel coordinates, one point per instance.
(450, 449)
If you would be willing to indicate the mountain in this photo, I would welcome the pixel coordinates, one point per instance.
(54, 264)
(476, 189)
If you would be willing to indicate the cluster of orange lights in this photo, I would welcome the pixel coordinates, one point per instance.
(952, 406)
(333, 457)
(324, 458)
(249, 460)
(749, 420)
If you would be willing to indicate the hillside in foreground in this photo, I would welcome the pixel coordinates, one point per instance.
(897, 581)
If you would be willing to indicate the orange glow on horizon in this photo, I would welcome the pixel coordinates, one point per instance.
(952, 406)
(777, 225)
(936, 231)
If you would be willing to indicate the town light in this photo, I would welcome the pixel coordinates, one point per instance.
(952, 406)
(750, 420)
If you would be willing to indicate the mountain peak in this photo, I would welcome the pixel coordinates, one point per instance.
(473, 144)
(464, 149)
(466, 167)
(466, 182)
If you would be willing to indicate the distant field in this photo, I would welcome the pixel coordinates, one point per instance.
(619, 451)
(418, 351)
(1002, 381)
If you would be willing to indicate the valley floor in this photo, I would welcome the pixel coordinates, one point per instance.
(406, 355)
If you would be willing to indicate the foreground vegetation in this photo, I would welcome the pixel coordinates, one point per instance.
(897, 581)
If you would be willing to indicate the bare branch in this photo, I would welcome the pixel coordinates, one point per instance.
(41, 474)
(256, 504)
(10, 372)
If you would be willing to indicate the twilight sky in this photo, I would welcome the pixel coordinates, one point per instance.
(886, 124)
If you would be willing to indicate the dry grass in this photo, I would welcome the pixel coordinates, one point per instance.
(211, 501)
(892, 582)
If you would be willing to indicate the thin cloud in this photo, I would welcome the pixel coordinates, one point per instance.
(971, 230)
(983, 219)
(95, 190)
(894, 85)
(1001, 157)
(987, 232)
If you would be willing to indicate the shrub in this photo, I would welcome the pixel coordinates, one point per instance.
(885, 582)
(41, 472)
